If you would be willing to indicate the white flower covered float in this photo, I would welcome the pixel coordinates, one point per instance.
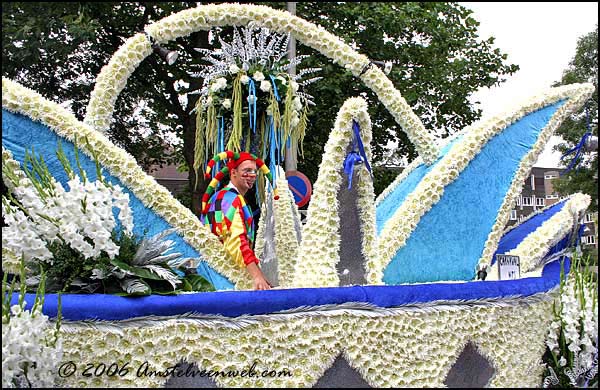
(409, 333)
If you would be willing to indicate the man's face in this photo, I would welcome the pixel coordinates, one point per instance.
(244, 176)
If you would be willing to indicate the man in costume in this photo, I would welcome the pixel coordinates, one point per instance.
(228, 214)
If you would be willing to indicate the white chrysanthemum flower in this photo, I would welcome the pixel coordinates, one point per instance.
(265, 86)
(258, 76)
(244, 79)
(233, 68)
(226, 104)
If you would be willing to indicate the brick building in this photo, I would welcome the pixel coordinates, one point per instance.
(538, 192)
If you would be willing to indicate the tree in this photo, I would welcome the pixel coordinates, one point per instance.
(59, 49)
(583, 68)
(438, 63)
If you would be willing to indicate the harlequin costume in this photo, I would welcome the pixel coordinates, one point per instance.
(227, 213)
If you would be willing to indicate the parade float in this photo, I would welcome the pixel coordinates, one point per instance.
(378, 292)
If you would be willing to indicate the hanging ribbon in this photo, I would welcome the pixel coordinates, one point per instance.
(252, 105)
(273, 160)
(355, 157)
(352, 159)
(577, 150)
(580, 146)
(274, 88)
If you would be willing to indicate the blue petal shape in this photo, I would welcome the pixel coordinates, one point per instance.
(449, 239)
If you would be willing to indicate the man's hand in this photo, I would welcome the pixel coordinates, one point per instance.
(259, 280)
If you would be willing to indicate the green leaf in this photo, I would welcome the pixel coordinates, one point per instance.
(194, 282)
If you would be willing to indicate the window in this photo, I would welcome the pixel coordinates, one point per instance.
(527, 201)
(588, 240)
(521, 218)
(550, 176)
(540, 202)
(513, 215)
(588, 218)
(519, 200)
(533, 182)
(551, 196)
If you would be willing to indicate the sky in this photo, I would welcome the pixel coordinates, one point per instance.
(539, 37)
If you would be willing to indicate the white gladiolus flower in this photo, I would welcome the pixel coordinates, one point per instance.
(27, 353)
(82, 218)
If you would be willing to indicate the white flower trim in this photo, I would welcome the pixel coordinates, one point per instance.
(391, 98)
(122, 165)
(412, 166)
(319, 251)
(431, 188)
(286, 240)
(113, 77)
(535, 246)
(527, 218)
(399, 347)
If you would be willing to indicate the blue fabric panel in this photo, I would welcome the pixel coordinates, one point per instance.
(77, 307)
(512, 239)
(449, 239)
(386, 209)
(20, 133)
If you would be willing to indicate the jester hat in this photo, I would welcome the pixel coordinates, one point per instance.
(235, 159)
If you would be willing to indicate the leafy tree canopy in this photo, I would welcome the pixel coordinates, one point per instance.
(58, 49)
(583, 68)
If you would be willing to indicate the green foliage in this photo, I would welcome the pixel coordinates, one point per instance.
(583, 68)
(194, 282)
(383, 177)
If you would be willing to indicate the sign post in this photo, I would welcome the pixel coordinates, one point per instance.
(509, 267)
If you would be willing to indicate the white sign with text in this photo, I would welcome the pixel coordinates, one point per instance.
(509, 267)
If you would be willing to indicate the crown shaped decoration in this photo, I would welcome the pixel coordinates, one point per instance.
(248, 101)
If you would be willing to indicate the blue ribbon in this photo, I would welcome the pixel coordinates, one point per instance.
(355, 157)
(361, 147)
(578, 150)
(274, 87)
(351, 159)
(273, 147)
(252, 105)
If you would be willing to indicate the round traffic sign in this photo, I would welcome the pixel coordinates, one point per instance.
(300, 187)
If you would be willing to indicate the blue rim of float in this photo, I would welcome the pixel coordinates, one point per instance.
(79, 307)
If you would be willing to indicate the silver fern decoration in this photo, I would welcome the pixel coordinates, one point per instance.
(252, 48)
